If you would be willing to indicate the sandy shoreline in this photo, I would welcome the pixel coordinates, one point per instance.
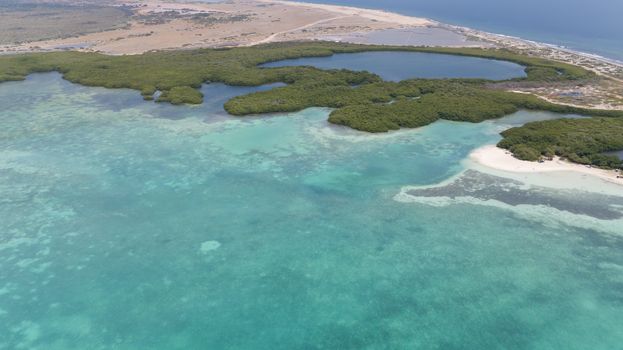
(499, 159)
(376, 15)
(169, 25)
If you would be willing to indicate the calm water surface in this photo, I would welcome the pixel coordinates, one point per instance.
(132, 225)
(591, 26)
(618, 154)
(398, 66)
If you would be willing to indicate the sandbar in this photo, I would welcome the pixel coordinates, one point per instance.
(496, 158)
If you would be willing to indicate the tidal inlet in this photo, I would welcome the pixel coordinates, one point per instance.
(288, 175)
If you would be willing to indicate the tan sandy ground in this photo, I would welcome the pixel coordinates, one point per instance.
(375, 15)
(266, 21)
(499, 159)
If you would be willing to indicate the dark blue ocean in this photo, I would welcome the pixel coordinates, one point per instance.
(590, 26)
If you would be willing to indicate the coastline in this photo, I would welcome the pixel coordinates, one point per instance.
(256, 22)
(377, 15)
(500, 160)
(606, 92)
(281, 20)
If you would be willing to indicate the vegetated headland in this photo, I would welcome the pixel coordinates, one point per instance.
(361, 100)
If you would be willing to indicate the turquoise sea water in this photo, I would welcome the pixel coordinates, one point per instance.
(396, 66)
(133, 225)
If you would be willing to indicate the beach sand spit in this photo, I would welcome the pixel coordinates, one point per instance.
(497, 158)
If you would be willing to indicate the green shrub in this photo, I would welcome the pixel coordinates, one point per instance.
(580, 140)
(180, 95)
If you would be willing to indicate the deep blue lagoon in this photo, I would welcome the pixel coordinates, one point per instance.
(396, 66)
(133, 225)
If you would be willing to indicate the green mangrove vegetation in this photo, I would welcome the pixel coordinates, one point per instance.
(581, 141)
(179, 95)
(165, 70)
(360, 100)
(385, 106)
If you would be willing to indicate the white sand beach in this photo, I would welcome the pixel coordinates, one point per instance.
(497, 158)
(375, 15)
